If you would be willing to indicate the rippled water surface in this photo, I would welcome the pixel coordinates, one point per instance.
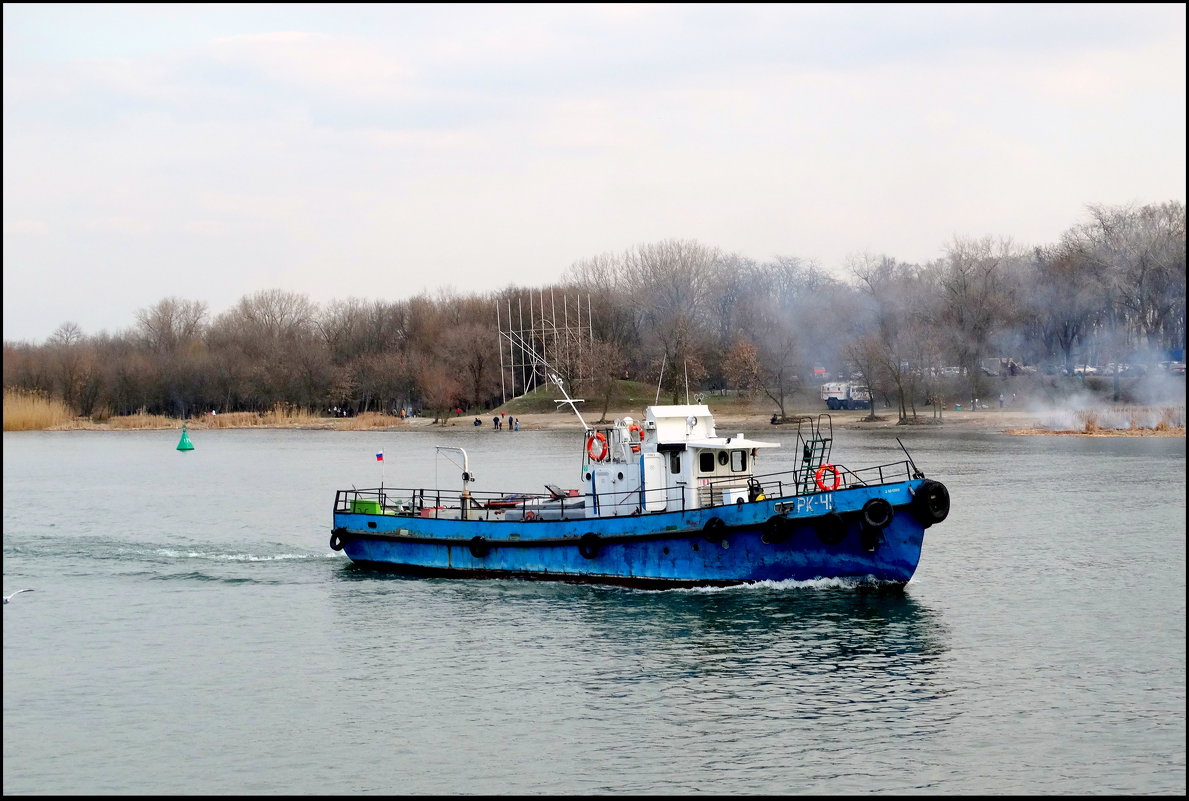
(191, 632)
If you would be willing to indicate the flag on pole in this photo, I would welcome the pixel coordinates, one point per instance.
(380, 456)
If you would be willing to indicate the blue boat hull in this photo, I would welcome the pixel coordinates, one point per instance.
(806, 537)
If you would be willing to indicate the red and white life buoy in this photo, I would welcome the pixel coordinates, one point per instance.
(638, 440)
(821, 471)
(596, 446)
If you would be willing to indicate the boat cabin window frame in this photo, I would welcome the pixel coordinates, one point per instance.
(711, 461)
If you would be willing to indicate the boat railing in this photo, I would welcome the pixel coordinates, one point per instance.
(421, 502)
(792, 483)
(720, 491)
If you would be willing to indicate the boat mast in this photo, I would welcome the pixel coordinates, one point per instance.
(568, 400)
(467, 476)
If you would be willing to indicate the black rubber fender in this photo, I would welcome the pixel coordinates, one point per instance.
(831, 528)
(714, 530)
(588, 545)
(336, 541)
(877, 513)
(777, 530)
(931, 504)
(479, 547)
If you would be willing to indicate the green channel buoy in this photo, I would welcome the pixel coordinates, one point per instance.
(185, 444)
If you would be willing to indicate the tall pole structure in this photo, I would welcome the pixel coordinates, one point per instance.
(503, 391)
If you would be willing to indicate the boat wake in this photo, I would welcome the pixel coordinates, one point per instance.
(150, 558)
(172, 553)
(788, 584)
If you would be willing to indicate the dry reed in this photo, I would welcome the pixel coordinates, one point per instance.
(367, 421)
(25, 410)
(1088, 419)
(1130, 418)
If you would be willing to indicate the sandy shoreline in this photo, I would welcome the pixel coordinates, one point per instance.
(756, 424)
(1009, 422)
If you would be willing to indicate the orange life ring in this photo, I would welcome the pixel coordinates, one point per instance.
(821, 471)
(636, 443)
(601, 439)
(530, 515)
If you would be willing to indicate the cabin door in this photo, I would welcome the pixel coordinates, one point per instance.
(655, 466)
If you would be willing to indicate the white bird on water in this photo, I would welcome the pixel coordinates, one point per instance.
(8, 598)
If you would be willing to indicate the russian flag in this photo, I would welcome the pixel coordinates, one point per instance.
(380, 456)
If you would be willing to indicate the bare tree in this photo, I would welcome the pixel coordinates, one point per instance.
(605, 370)
(171, 323)
(669, 286)
(973, 299)
(467, 348)
(742, 369)
(439, 387)
(1065, 297)
(1140, 259)
(893, 291)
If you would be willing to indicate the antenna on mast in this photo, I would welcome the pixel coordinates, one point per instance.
(660, 378)
(685, 365)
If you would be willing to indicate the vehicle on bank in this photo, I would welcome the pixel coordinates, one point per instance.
(663, 502)
(846, 395)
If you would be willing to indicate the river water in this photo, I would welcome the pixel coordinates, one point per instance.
(190, 632)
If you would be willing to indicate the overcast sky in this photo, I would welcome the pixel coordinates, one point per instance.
(206, 152)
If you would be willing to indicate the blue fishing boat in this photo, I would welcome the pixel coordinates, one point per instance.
(663, 502)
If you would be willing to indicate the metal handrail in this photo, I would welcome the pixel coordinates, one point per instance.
(492, 505)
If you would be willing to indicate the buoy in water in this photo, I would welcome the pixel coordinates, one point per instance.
(185, 444)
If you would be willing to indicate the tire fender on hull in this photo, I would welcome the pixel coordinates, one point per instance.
(588, 545)
(831, 528)
(931, 503)
(777, 530)
(877, 513)
(714, 530)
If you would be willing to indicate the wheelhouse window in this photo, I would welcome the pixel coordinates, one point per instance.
(675, 462)
(738, 461)
(706, 461)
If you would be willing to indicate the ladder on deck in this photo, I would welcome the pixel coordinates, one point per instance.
(815, 437)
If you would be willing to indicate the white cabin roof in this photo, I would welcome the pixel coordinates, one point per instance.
(693, 426)
(730, 442)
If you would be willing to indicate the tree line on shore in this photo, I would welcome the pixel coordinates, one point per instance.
(677, 313)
